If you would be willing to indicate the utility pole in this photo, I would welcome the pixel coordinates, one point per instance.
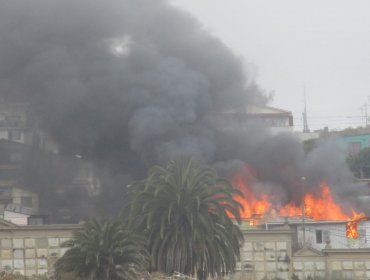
(303, 179)
(305, 122)
(365, 109)
(364, 114)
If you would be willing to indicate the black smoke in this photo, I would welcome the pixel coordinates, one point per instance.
(131, 83)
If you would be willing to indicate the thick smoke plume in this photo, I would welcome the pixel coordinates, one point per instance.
(131, 83)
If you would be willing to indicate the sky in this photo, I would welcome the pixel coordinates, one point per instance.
(321, 48)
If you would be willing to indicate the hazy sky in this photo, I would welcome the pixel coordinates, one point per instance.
(323, 46)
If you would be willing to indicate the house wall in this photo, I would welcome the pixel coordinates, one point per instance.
(304, 136)
(16, 218)
(355, 143)
(10, 194)
(20, 194)
(283, 129)
(335, 233)
(13, 121)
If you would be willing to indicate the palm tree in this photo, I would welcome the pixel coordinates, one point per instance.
(107, 251)
(189, 215)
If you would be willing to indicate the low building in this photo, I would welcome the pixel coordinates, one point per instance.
(319, 234)
(13, 156)
(356, 143)
(277, 120)
(21, 215)
(269, 252)
(13, 121)
(277, 251)
(265, 254)
(25, 171)
(32, 250)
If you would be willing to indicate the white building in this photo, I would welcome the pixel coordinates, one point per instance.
(13, 122)
(277, 120)
(321, 235)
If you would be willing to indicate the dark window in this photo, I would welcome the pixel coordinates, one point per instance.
(26, 201)
(319, 238)
(347, 275)
(6, 201)
(354, 148)
(16, 157)
(6, 191)
(14, 135)
(13, 120)
(36, 220)
(9, 174)
(366, 171)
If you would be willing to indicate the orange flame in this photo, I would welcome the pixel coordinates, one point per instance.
(251, 205)
(317, 206)
(351, 226)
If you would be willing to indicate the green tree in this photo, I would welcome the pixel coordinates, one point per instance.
(107, 251)
(309, 145)
(360, 163)
(185, 210)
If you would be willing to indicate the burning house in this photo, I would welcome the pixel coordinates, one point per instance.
(122, 85)
(142, 83)
(270, 252)
(316, 237)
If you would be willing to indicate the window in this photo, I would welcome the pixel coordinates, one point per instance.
(9, 174)
(6, 191)
(3, 134)
(14, 135)
(5, 201)
(347, 275)
(16, 157)
(36, 220)
(13, 120)
(26, 201)
(354, 148)
(319, 238)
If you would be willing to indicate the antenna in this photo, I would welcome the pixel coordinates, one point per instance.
(305, 123)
